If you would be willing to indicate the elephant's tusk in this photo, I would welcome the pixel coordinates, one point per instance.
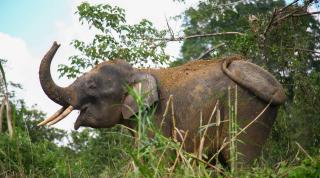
(62, 116)
(51, 117)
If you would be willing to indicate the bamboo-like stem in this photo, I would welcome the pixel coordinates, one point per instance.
(201, 136)
(166, 110)
(253, 121)
(9, 118)
(178, 154)
(205, 162)
(1, 114)
(218, 122)
(160, 159)
(304, 151)
(206, 129)
(174, 134)
(235, 129)
(231, 130)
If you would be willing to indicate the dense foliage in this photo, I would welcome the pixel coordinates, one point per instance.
(282, 38)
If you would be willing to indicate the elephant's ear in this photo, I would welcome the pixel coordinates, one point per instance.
(255, 79)
(145, 85)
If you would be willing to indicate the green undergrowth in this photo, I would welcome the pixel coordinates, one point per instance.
(45, 159)
(39, 152)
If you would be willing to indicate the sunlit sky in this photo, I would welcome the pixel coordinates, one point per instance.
(28, 28)
(32, 21)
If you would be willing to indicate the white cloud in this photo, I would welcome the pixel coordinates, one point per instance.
(20, 61)
(314, 8)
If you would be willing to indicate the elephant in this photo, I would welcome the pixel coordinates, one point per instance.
(195, 88)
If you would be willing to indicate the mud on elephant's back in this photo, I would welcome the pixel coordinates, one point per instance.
(255, 79)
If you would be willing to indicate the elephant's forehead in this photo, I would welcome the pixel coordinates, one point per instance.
(111, 64)
(102, 64)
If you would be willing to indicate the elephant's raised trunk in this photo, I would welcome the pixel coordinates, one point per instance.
(62, 96)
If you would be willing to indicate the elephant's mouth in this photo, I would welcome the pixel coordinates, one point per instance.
(63, 113)
(85, 117)
(79, 120)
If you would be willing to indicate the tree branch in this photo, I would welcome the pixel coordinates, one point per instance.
(305, 50)
(182, 38)
(303, 14)
(284, 8)
(169, 29)
(274, 14)
(284, 17)
(299, 49)
(202, 55)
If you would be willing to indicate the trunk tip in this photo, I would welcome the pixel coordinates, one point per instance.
(56, 44)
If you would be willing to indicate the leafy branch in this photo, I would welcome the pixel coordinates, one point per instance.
(116, 39)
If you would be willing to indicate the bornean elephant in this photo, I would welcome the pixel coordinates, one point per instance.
(102, 97)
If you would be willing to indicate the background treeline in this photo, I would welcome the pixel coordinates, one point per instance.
(281, 36)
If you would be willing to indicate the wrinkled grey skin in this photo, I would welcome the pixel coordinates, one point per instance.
(102, 99)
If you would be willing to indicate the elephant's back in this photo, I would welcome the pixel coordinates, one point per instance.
(193, 70)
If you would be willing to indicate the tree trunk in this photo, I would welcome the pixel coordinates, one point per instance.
(1, 114)
(9, 118)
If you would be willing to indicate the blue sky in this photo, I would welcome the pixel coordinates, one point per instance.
(31, 20)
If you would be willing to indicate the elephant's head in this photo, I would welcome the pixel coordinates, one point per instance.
(101, 94)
